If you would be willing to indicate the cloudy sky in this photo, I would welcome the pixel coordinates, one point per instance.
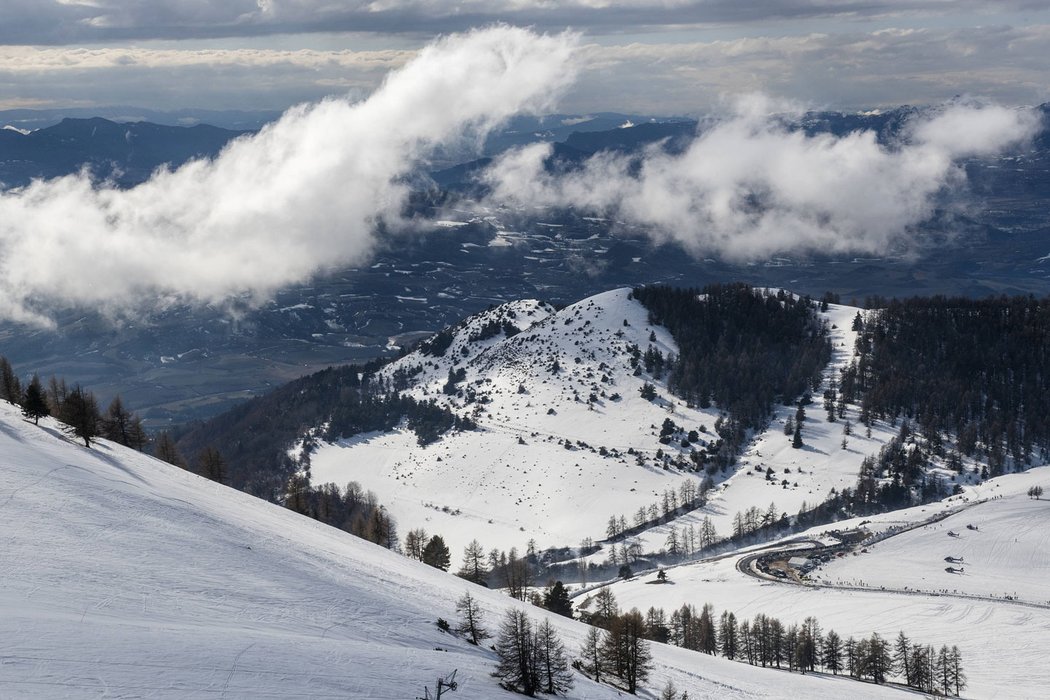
(647, 56)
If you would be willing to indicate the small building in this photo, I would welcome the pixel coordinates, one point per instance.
(800, 563)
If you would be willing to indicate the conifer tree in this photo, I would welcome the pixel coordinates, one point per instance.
(625, 651)
(436, 553)
(591, 654)
(552, 665)
(80, 413)
(122, 426)
(516, 653)
(34, 403)
(211, 465)
(556, 599)
(473, 568)
(10, 387)
(471, 619)
(833, 652)
(165, 450)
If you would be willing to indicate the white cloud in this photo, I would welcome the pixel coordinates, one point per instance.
(301, 196)
(749, 188)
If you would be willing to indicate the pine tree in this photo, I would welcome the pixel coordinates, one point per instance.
(796, 440)
(436, 553)
(514, 647)
(625, 651)
(10, 387)
(165, 450)
(34, 403)
(211, 465)
(80, 413)
(473, 568)
(901, 658)
(833, 652)
(471, 619)
(591, 655)
(552, 665)
(556, 599)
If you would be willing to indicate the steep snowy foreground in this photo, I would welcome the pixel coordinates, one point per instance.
(1003, 642)
(124, 577)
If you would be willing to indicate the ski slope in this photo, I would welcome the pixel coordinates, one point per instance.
(124, 577)
(1003, 642)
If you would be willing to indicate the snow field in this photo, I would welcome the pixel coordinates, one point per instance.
(526, 470)
(1002, 641)
(123, 576)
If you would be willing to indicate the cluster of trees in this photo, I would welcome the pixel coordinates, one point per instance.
(898, 476)
(972, 368)
(689, 496)
(352, 509)
(740, 348)
(76, 407)
(432, 551)
(255, 436)
(532, 658)
(619, 650)
(766, 641)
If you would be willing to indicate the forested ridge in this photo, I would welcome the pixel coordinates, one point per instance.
(740, 348)
(255, 437)
(975, 369)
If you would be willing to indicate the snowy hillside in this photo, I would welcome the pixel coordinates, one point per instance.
(1002, 641)
(997, 541)
(126, 577)
(566, 439)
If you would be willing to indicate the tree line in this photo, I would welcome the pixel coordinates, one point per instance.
(256, 435)
(972, 368)
(740, 348)
(76, 407)
(766, 641)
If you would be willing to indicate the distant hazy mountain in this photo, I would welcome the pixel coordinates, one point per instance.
(126, 153)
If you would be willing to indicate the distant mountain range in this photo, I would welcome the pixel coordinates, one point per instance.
(125, 153)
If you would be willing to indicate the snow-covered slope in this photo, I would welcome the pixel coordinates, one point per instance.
(560, 451)
(900, 584)
(998, 544)
(122, 576)
(566, 439)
